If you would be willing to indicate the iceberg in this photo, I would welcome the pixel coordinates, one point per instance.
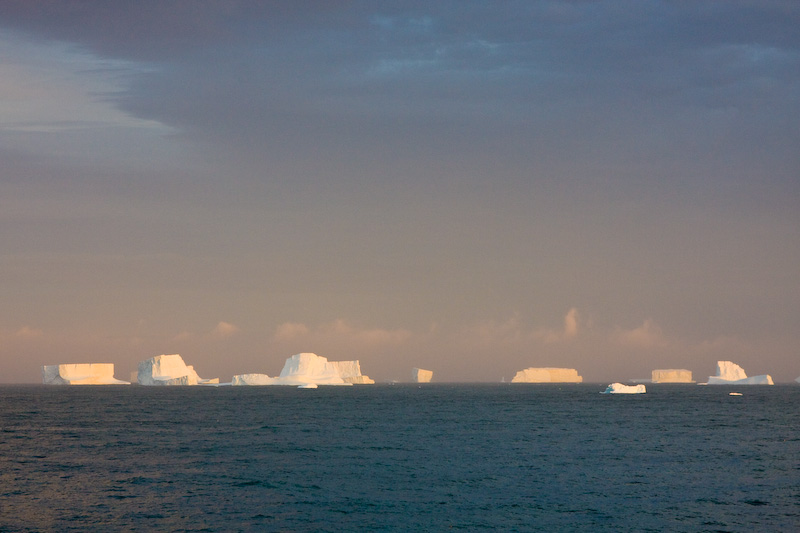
(350, 372)
(170, 370)
(729, 373)
(619, 388)
(80, 374)
(419, 375)
(309, 369)
(547, 375)
(253, 379)
(672, 375)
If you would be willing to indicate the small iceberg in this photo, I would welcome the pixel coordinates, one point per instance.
(308, 386)
(734, 394)
(420, 375)
(619, 388)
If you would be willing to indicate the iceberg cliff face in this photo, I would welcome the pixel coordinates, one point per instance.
(169, 370)
(547, 375)
(419, 375)
(307, 369)
(253, 379)
(350, 372)
(304, 368)
(619, 388)
(672, 375)
(80, 374)
(729, 373)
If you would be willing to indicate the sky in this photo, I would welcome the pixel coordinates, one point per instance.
(468, 187)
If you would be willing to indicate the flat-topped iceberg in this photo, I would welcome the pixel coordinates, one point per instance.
(619, 388)
(169, 370)
(80, 374)
(729, 373)
(350, 372)
(309, 368)
(547, 375)
(253, 379)
(418, 375)
(672, 375)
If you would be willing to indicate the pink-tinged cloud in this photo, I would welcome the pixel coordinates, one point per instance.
(27, 332)
(648, 335)
(290, 331)
(224, 330)
(341, 333)
(512, 332)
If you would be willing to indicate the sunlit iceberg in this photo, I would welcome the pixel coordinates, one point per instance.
(729, 373)
(80, 374)
(547, 375)
(307, 369)
(253, 379)
(672, 375)
(619, 388)
(419, 375)
(350, 372)
(169, 370)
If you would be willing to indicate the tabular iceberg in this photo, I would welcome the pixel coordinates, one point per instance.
(672, 375)
(350, 372)
(547, 375)
(170, 370)
(80, 374)
(307, 369)
(253, 379)
(729, 373)
(619, 388)
(419, 375)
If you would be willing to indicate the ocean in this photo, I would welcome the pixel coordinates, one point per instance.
(432, 457)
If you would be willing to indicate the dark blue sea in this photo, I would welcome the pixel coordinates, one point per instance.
(433, 457)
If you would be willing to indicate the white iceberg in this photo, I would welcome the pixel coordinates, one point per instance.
(619, 388)
(729, 373)
(350, 372)
(672, 375)
(418, 375)
(798, 379)
(547, 375)
(253, 379)
(80, 374)
(309, 369)
(170, 370)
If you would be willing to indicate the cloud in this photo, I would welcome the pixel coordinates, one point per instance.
(512, 331)
(648, 335)
(290, 330)
(571, 320)
(183, 336)
(340, 332)
(27, 332)
(224, 330)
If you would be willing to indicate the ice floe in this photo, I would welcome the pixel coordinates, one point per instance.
(619, 388)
